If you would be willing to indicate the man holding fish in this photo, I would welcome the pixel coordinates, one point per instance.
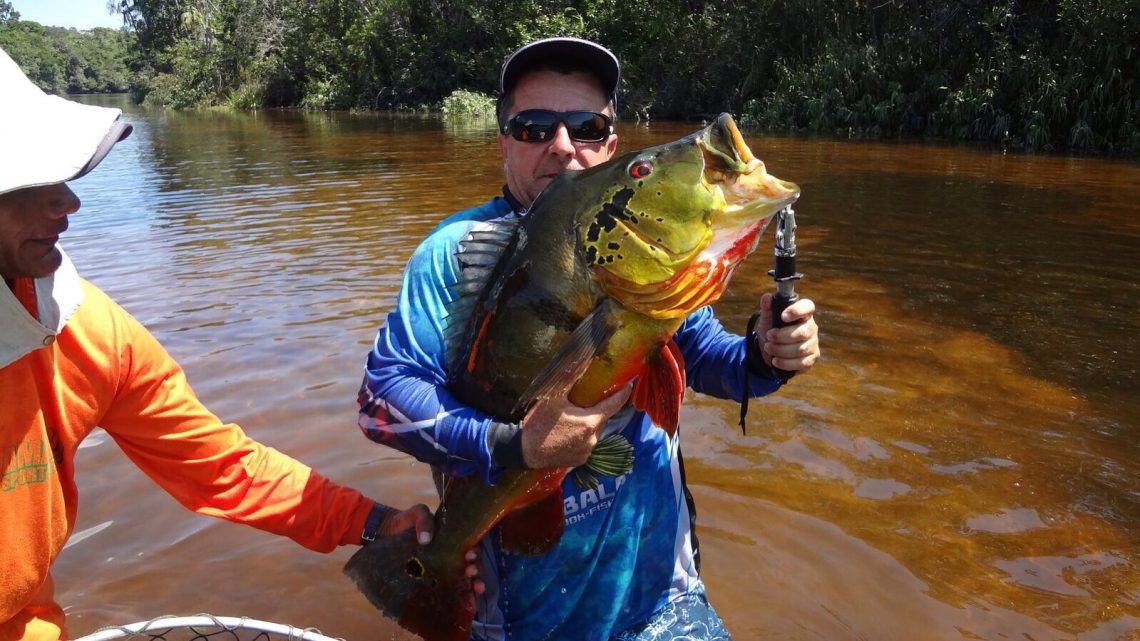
(71, 359)
(555, 329)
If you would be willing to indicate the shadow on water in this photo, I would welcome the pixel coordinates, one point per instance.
(962, 464)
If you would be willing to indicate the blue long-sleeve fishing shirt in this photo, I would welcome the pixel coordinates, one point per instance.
(628, 547)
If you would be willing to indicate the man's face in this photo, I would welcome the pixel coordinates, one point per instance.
(530, 166)
(31, 221)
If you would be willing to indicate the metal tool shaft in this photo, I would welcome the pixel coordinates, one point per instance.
(784, 273)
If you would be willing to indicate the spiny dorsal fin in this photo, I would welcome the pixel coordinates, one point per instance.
(476, 253)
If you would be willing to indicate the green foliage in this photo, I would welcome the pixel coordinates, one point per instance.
(1036, 75)
(468, 104)
(8, 13)
(63, 61)
(1049, 75)
(246, 97)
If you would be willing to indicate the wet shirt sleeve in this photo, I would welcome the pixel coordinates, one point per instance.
(714, 359)
(403, 403)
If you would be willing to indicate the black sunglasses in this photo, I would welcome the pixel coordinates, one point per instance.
(538, 125)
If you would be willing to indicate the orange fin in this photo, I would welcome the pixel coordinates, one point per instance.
(661, 386)
(533, 529)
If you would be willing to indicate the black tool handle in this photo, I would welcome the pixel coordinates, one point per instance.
(784, 272)
(780, 302)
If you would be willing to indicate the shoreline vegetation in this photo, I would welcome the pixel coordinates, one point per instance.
(1055, 75)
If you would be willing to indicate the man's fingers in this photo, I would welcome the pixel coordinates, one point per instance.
(424, 523)
(614, 402)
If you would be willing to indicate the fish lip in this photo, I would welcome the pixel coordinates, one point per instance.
(743, 152)
(724, 167)
(741, 160)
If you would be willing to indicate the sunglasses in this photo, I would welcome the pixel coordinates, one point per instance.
(538, 125)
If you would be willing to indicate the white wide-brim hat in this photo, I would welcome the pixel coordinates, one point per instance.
(47, 139)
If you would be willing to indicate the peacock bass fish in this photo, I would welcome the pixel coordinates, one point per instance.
(580, 296)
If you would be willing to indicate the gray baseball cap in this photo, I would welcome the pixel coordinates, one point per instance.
(601, 61)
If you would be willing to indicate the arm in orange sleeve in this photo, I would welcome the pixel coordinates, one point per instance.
(212, 467)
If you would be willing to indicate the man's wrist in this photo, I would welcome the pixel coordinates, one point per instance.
(754, 358)
(376, 517)
(504, 440)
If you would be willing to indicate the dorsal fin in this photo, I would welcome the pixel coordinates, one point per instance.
(477, 254)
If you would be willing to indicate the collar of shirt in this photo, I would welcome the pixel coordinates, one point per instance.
(516, 206)
(57, 297)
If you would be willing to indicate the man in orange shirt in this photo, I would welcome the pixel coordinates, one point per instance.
(71, 359)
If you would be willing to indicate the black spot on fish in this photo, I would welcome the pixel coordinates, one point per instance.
(612, 211)
(613, 246)
(591, 253)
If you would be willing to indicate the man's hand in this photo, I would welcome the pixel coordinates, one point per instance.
(558, 433)
(794, 347)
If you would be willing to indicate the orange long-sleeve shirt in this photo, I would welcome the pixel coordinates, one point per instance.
(105, 369)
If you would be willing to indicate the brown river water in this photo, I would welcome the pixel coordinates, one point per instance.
(964, 463)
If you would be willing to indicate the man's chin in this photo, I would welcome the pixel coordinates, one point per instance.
(541, 183)
(44, 265)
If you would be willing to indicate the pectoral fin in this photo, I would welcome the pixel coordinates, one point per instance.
(573, 358)
(660, 387)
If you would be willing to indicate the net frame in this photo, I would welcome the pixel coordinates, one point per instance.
(206, 627)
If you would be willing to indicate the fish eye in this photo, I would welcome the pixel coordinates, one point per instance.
(641, 169)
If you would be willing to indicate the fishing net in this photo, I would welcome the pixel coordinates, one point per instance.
(206, 627)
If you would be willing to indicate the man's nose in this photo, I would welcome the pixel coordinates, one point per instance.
(60, 201)
(561, 144)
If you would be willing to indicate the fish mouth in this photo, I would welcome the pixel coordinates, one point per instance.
(741, 180)
(751, 196)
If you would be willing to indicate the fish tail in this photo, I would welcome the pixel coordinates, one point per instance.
(408, 583)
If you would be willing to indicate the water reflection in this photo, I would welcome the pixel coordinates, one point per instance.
(964, 463)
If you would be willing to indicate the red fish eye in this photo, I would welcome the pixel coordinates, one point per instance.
(641, 169)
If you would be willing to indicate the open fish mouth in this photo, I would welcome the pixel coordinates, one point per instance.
(741, 180)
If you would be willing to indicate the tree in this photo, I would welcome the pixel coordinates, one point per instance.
(8, 13)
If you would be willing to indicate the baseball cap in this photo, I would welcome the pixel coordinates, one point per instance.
(593, 56)
(46, 139)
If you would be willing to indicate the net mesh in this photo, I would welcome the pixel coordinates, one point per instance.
(206, 627)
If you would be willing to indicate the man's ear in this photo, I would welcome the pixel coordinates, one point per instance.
(611, 145)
